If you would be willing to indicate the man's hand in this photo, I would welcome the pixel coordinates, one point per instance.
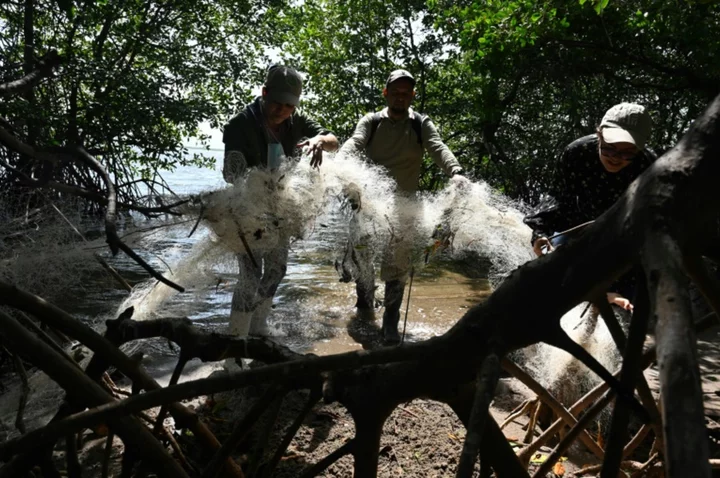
(620, 301)
(315, 147)
(541, 242)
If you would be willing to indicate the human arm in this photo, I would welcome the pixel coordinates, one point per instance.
(316, 139)
(555, 211)
(359, 139)
(235, 158)
(317, 144)
(438, 151)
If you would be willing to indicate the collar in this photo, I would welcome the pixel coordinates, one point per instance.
(384, 114)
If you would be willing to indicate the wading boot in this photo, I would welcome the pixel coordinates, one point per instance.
(393, 299)
(365, 304)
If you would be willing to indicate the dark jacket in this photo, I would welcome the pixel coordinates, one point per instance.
(581, 189)
(245, 133)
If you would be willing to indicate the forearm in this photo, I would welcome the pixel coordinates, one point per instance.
(328, 142)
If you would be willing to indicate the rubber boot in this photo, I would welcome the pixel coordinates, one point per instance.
(365, 304)
(258, 325)
(391, 317)
(240, 323)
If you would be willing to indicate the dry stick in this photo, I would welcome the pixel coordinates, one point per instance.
(200, 216)
(265, 433)
(407, 304)
(618, 336)
(568, 439)
(20, 369)
(572, 229)
(110, 269)
(182, 361)
(519, 411)
(290, 433)
(547, 398)
(107, 454)
(631, 375)
(322, 465)
(487, 379)
(241, 430)
(636, 440)
(530, 432)
(686, 444)
(84, 390)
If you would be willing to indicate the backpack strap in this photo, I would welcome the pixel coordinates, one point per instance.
(415, 123)
(374, 123)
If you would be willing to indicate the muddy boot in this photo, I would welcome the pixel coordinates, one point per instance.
(393, 299)
(258, 325)
(240, 323)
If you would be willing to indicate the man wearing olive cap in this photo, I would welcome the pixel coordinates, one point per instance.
(593, 172)
(397, 138)
(263, 135)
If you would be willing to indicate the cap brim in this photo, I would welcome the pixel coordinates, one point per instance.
(409, 78)
(284, 98)
(618, 135)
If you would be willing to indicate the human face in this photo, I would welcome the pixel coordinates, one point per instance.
(616, 156)
(399, 94)
(276, 113)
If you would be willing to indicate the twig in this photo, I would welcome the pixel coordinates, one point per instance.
(107, 454)
(264, 436)
(200, 216)
(242, 428)
(407, 303)
(84, 390)
(568, 439)
(322, 465)
(290, 433)
(111, 270)
(20, 369)
(519, 411)
(182, 360)
(547, 398)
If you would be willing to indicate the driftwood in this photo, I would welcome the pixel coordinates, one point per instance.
(660, 225)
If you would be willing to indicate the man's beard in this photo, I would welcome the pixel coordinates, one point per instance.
(398, 110)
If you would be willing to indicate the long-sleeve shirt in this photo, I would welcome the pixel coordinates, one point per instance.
(582, 189)
(395, 146)
(246, 138)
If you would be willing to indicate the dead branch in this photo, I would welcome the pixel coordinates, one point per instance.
(20, 370)
(240, 431)
(568, 439)
(83, 390)
(553, 403)
(322, 465)
(290, 433)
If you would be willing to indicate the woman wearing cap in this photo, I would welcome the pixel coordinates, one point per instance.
(263, 135)
(593, 172)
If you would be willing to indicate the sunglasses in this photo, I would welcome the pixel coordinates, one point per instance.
(613, 152)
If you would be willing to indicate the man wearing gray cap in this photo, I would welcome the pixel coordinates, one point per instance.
(263, 135)
(397, 138)
(593, 172)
